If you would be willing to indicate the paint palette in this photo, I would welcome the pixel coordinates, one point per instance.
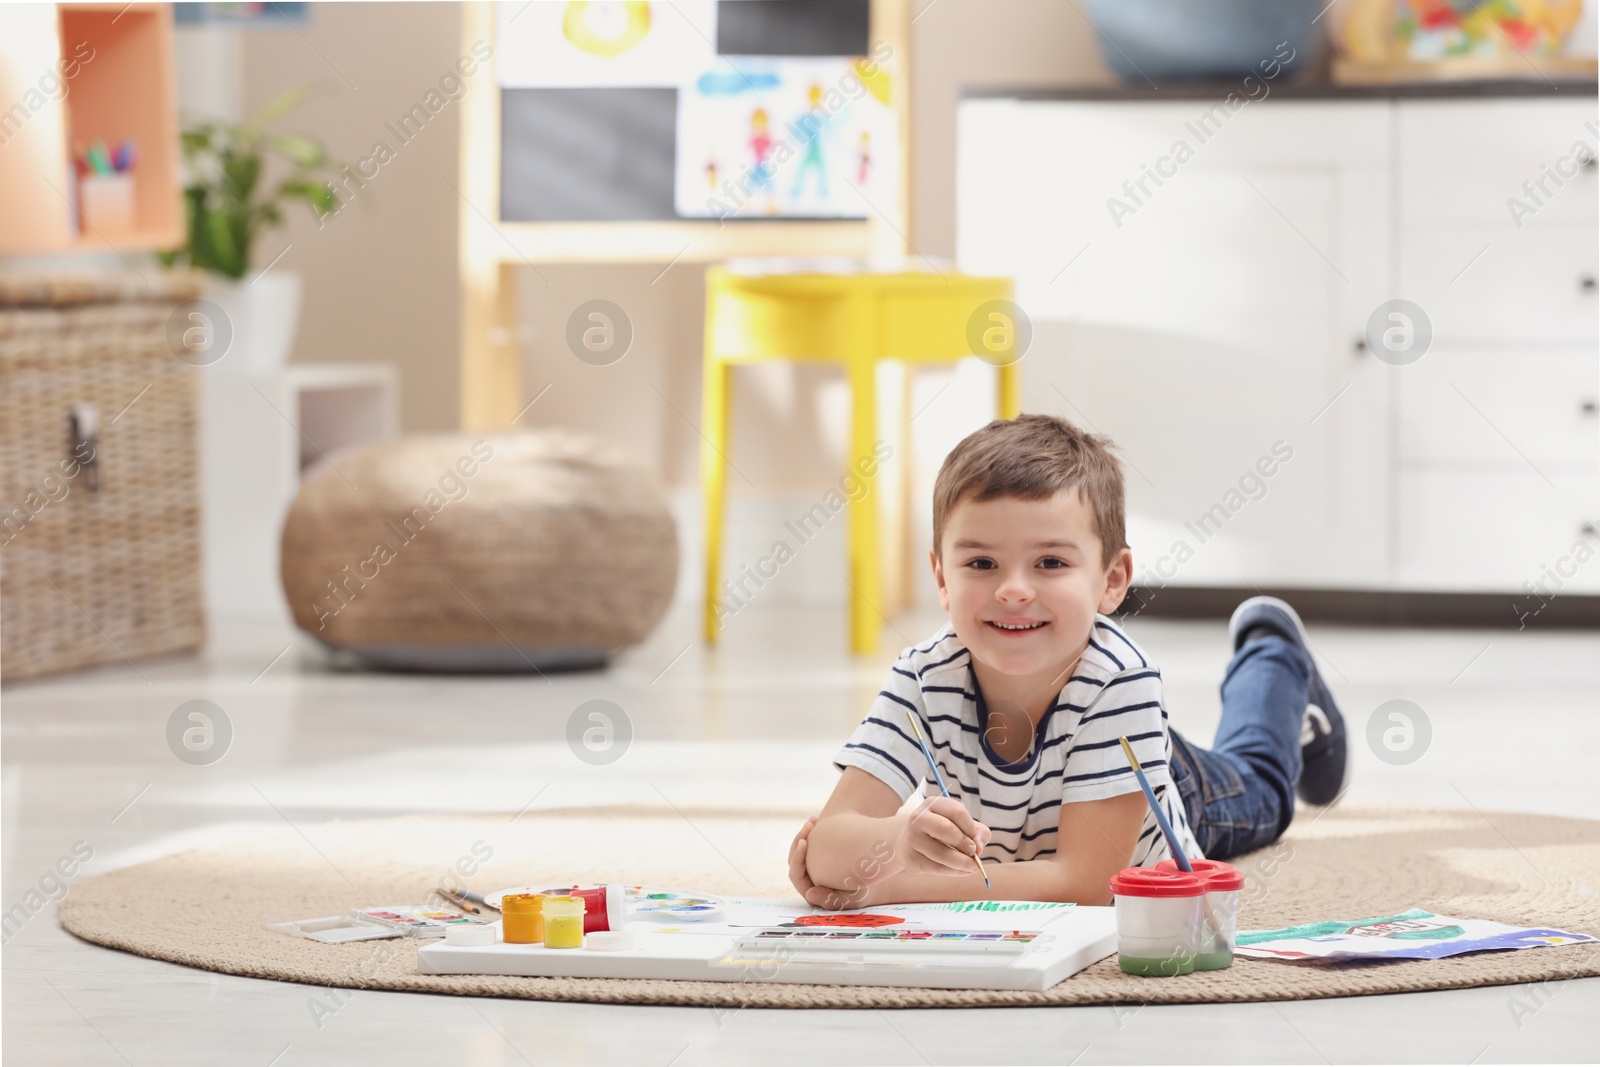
(644, 902)
(416, 922)
(785, 940)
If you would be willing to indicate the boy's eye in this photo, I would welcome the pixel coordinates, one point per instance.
(1049, 562)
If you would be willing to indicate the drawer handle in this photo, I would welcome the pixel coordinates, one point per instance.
(1590, 407)
(1586, 283)
(84, 425)
(1358, 346)
(1589, 529)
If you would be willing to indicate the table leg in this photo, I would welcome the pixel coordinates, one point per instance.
(865, 594)
(713, 478)
(1010, 391)
(491, 357)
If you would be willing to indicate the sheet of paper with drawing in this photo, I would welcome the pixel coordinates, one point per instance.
(983, 944)
(1410, 935)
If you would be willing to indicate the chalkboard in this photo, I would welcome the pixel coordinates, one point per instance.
(793, 27)
(578, 155)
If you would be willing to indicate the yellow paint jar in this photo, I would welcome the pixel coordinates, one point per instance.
(563, 922)
(522, 918)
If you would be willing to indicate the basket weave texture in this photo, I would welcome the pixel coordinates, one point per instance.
(542, 539)
(111, 573)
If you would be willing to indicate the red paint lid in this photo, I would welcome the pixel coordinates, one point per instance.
(1152, 882)
(1219, 877)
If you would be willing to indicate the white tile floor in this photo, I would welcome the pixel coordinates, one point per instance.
(1515, 724)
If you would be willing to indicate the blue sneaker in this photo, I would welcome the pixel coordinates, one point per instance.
(1324, 753)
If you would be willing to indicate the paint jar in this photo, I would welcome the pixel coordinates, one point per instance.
(522, 918)
(1221, 922)
(1160, 918)
(563, 922)
(605, 907)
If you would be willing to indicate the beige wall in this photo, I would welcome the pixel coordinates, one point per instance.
(1003, 43)
(380, 277)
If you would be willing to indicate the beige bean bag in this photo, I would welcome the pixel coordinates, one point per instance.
(491, 552)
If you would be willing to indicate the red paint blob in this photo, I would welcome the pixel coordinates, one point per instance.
(846, 920)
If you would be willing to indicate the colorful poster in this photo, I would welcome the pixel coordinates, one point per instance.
(809, 138)
(1411, 935)
(545, 45)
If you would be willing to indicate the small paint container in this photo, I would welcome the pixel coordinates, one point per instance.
(474, 936)
(563, 922)
(608, 941)
(522, 918)
(1160, 919)
(605, 907)
(1221, 922)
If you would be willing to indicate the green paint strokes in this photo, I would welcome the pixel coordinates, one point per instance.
(963, 906)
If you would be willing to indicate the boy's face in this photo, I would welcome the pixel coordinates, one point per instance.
(1027, 563)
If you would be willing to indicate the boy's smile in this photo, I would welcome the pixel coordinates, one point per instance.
(1022, 581)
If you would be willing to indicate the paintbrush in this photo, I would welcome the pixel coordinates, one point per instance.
(1176, 849)
(469, 902)
(1155, 807)
(933, 764)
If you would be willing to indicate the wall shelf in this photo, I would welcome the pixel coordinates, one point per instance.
(96, 72)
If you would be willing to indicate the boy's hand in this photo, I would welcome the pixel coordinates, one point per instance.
(799, 877)
(940, 837)
(818, 896)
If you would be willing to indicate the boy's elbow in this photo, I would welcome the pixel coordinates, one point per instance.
(1072, 887)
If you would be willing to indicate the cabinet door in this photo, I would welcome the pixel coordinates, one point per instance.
(1463, 162)
(1498, 428)
(1197, 277)
(1500, 528)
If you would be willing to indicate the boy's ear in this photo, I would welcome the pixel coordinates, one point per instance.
(1119, 576)
(938, 579)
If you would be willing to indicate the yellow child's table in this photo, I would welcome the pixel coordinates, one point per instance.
(854, 316)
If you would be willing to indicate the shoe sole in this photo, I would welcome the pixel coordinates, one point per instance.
(1235, 628)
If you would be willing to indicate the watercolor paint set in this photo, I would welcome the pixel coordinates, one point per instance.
(792, 943)
(367, 924)
(414, 922)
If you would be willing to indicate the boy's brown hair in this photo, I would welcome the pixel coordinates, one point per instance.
(1033, 457)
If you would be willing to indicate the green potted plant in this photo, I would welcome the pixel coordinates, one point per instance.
(230, 200)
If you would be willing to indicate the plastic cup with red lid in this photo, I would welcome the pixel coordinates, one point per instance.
(1223, 883)
(1160, 920)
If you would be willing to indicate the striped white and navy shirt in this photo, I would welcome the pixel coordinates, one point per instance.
(1075, 755)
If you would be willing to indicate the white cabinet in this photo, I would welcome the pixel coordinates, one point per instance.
(1198, 280)
(1497, 465)
(1204, 321)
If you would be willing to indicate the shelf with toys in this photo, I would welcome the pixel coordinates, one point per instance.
(92, 158)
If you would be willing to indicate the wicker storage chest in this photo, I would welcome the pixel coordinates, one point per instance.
(99, 474)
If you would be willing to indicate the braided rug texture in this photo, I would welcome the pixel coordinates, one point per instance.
(206, 908)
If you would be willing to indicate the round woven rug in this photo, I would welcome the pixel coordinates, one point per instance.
(206, 908)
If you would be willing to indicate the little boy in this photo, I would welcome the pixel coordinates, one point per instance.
(1023, 695)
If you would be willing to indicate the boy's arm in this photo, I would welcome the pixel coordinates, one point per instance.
(1096, 839)
(853, 836)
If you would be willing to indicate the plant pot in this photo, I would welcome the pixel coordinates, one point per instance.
(263, 315)
(1203, 40)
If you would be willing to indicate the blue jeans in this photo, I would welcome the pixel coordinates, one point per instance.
(1239, 794)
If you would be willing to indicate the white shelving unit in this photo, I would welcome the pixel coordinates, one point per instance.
(260, 435)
